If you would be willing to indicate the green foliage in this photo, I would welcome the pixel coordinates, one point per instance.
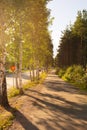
(28, 85)
(32, 84)
(76, 75)
(6, 120)
(13, 92)
(24, 36)
(61, 72)
(83, 82)
(42, 76)
(37, 43)
(73, 44)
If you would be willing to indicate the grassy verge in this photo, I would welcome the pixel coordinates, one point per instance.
(6, 118)
(81, 86)
(75, 75)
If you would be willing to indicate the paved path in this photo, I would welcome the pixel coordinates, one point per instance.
(54, 105)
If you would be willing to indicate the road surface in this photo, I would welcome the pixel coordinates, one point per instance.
(10, 78)
(54, 105)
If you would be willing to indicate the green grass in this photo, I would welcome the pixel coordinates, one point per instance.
(6, 120)
(81, 86)
(28, 85)
(33, 83)
(13, 92)
(42, 77)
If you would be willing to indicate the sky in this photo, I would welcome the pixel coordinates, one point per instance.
(64, 13)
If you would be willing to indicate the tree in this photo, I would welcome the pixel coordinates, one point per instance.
(73, 43)
(80, 29)
(3, 22)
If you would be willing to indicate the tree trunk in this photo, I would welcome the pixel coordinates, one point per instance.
(3, 90)
(30, 75)
(37, 73)
(20, 60)
(33, 74)
(3, 86)
(16, 77)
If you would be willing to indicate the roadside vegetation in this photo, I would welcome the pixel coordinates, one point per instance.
(7, 117)
(13, 91)
(71, 59)
(74, 75)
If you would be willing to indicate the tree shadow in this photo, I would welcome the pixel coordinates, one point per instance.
(25, 123)
(63, 86)
(56, 97)
(73, 110)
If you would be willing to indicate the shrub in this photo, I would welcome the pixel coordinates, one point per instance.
(61, 72)
(43, 75)
(6, 119)
(83, 81)
(68, 74)
(27, 85)
(74, 74)
(13, 92)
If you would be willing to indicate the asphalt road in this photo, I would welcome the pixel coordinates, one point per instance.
(10, 78)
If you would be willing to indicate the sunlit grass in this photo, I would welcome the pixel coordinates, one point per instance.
(42, 76)
(28, 85)
(6, 119)
(74, 75)
(13, 92)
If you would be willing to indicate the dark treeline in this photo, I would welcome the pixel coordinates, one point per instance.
(73, 44)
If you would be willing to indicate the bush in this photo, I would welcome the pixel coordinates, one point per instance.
(83, 82)
(61, 72)
(13, 92)
(6, 119)
(74, 74)
(43, 75)
(68, 74)
(28, 85)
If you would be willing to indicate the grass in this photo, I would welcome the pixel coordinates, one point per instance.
(28, 85)
(32, 84)
(6, 119)
(13, 92)
(42, 77)
(81, 86)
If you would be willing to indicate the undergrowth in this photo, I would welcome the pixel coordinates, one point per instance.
(6, 119)
(75, 75)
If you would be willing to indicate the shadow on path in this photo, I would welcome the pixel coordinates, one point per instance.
(25, 123)
(51, 110)
(74, 110)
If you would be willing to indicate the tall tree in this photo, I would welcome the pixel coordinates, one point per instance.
(3, 23)
(73, 43)
(80, 28)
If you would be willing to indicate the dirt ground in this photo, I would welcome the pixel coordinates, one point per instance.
(53, 105)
